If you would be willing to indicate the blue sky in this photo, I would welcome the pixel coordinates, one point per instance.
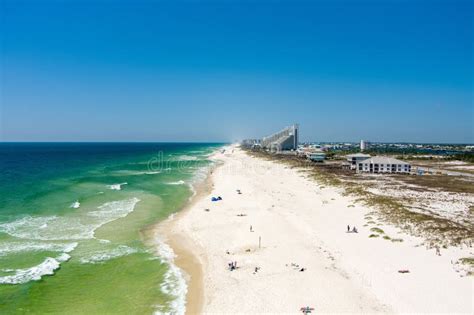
(104, 70)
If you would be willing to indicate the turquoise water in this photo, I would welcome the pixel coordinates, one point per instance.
(71, 217)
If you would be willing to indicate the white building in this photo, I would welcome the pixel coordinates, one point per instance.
(352, 159)
(364, 145)
(250, 143)
(286, 139)
(382, 164)
(316, 156)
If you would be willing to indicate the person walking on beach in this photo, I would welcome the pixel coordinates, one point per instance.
(348, 228)
(251, 229)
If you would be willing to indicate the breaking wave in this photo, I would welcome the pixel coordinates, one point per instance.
(19, 247)
(174, 283)
(116, 186)
(68, 227)
(132, 173)
(186, 158)
(47, 267)
(152, 172)
(76, 204)
(102, 256)
(37, 230)
(180, 182)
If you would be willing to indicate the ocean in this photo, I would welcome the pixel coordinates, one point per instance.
(71, 222)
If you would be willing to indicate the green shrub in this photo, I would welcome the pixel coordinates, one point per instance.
(377, 230)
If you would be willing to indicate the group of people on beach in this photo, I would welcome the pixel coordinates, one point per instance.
(297, 267)
(354, 229)
(218, 198)
(232, 265)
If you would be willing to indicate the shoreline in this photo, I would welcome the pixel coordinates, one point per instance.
(188, 257)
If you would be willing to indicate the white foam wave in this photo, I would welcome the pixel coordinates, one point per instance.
(47, 267)
(116, 186)
(76, 204)
(186, 158)
(165, 252)
(135, 173)
(68, 227)
(152, 172)
(180, 182)
(113, 210)
(193, 191)
(199, 177)
(19, 247)
(102, 256)
(48, 228)
(174, 283)
(201, 174)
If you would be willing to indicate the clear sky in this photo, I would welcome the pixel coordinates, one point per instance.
(144, 70)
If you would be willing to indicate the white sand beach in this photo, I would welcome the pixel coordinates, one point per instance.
(301, 224)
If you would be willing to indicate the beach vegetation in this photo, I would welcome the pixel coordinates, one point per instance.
(377, 230)
(437, 231)
(467, 261)
(397, 240)
(373, 235)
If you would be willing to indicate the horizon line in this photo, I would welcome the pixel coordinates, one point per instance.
(230, 142)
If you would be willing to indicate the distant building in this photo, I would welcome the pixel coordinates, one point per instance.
(250, 143)
(286, 139)
(382, 164)
(305, 150)
(316, 156)
(352, 159)
(364, 145)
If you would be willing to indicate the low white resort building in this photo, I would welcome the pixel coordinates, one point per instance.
(382, 164)
(352, 159)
